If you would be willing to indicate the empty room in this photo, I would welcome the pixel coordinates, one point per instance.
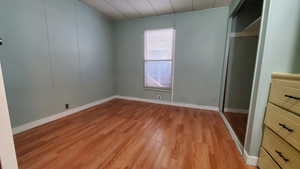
(150, 84)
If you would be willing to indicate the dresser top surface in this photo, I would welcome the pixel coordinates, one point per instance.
(286, 76)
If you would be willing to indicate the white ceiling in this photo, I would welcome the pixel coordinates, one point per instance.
(126, 9)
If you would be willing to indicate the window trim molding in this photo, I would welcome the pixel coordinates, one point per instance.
(172, 60)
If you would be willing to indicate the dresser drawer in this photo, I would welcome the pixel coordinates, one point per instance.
(286, 93)
(285, 124)
(265, 161)
(284, 154)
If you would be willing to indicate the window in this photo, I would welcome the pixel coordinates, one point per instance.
(159, 48)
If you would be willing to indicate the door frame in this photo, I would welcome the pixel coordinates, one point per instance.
(225, 66)
(222, 94)
(7, 147)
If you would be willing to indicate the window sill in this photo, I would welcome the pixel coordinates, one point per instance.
(158, 89)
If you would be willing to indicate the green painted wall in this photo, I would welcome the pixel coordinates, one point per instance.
(200, 46)
(129, 55)
(279, 52)
(55, 52)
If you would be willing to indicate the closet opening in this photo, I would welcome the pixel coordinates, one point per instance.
(244, 29)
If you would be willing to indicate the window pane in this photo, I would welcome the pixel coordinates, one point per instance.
(159, 44)
(158, 74)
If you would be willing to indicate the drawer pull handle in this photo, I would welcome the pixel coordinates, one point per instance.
(280, 154)
(285, 127)
(292, 97)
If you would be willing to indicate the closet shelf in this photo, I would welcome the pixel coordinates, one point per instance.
(251, 30)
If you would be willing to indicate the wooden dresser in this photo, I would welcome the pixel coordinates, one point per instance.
(281, 139)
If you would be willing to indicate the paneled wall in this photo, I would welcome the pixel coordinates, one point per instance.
(200, 46)
(59, 52)
(55, 52)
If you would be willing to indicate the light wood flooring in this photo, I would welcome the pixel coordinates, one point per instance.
(123, 134)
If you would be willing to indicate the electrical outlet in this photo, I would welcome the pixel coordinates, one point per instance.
(67, 106)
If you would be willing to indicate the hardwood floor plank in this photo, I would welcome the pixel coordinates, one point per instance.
(122, 134)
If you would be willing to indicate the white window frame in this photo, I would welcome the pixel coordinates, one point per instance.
(171, 60)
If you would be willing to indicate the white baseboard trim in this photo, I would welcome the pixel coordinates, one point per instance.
(250, 160)
(232, 133)
(234, 110)
(45, 120)
(212, 108)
